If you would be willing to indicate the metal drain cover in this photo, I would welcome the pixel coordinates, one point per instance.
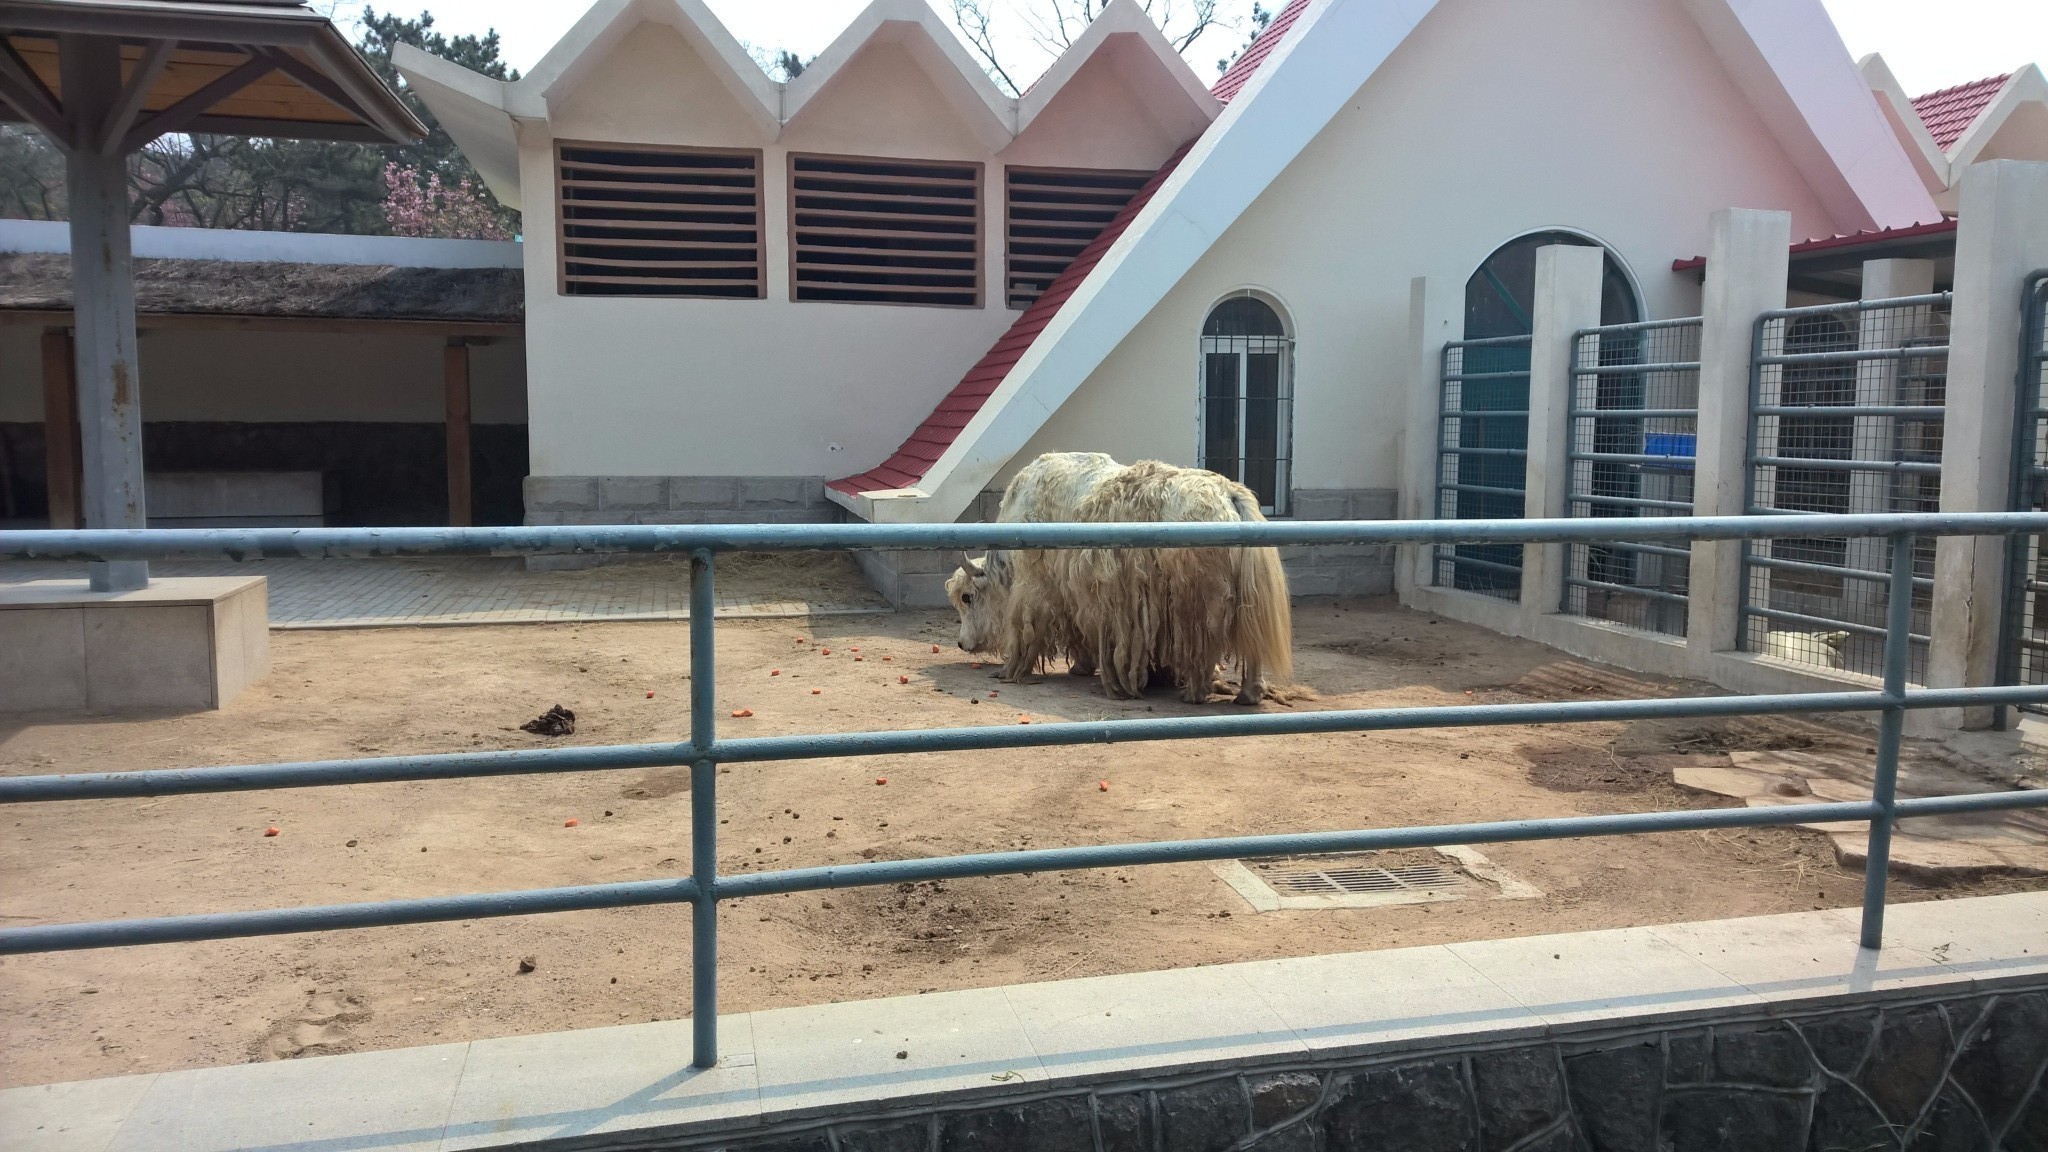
(1369, 879)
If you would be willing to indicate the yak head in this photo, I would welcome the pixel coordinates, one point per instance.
(977, 590)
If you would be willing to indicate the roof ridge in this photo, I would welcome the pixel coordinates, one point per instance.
(1954, 88)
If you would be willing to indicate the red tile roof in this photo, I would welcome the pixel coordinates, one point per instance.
(1849, 240)
(1240, 71)
(1950, 112)
(931, 439)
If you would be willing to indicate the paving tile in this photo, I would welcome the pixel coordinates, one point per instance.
(1588, 976)
(81, 1116)
(630, 1078)
(1191, 1017)
(1804, 956)
(1369, 1000)
(386, 1101)
(812, 1058)
(1992, 939)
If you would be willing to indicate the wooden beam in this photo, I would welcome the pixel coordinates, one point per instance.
(455, 379)
(26, 93)
(207, 322)
(196, 104)
(61, 468)
(129, 106)
(312, 78)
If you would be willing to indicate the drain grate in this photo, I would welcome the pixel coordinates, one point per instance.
(1358, 880)
(1369, 879)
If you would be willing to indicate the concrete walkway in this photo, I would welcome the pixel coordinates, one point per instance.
(632, 1086)
(386, 593)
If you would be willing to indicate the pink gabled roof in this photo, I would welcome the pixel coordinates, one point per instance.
(1240, 71)
(1950, 112)
(931, 439)
(1846, 240)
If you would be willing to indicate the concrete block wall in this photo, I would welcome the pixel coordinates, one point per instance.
(678, 500)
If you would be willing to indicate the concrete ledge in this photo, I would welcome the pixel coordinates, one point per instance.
(1250, 1050)
(182, 642)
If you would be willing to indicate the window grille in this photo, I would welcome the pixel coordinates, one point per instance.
(658, 222)
(1052, 214)
(885, 231)
(1246, 416)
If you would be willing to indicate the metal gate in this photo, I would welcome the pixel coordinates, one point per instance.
(2026, 612)
(1846, 406)
(1483, 458)
(1633, 424)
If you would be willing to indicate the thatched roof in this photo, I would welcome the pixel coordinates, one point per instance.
(42, 282)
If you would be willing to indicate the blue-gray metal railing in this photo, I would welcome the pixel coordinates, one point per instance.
(1632, 425)
(1846, 415)
(704, 889)
(1483, 457)
(2024, 658)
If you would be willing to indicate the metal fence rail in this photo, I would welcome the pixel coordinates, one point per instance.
(705, 887)
(1846, 407)
(1633, 424)
(1483, 458)
(2025, 656)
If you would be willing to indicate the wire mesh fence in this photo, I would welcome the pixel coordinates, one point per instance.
(1633, 424)
(1483, 458)
(1845, 417)
(2026, 647)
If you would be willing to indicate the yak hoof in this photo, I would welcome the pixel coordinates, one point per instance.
(1081, 670)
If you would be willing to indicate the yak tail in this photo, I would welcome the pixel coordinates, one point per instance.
(1263, 631)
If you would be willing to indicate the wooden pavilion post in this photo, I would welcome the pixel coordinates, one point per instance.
(455, 381)
(103, 284)
(60, 427)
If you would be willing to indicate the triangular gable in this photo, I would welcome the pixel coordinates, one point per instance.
(1785, 54)
(991, 115)
(1949, 112)
(1907, 123)
(2018, 109)
(1181, 96)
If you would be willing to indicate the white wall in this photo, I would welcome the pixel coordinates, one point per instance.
(259, 377)
(771, 387)
(1495, 118)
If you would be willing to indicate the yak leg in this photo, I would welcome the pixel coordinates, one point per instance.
(1251, 687)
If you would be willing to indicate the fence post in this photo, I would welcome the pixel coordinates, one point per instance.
(1891, 727)
(1748, 256)
(2001, 236)
(1435, 318)
(1567, 298)
(703, 815)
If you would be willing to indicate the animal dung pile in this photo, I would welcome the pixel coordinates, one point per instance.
(556, 721)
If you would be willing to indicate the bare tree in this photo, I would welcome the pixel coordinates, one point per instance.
(1055, 24)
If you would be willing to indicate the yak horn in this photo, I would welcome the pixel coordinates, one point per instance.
(970, 564)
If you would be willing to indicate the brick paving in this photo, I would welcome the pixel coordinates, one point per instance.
(386, 593)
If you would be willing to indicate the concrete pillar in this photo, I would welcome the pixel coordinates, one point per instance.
(1567, 299)
(1748, 258)
(103, 287)
(1436, 316)
(2001, 236)
(1877, 382)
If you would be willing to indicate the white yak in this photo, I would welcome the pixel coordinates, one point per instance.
(1121, 613)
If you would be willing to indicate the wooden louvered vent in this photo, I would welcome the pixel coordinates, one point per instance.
(885, 231)
(659, 222)
(1053, 214)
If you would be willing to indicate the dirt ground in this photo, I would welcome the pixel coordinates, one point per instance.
(360, 693)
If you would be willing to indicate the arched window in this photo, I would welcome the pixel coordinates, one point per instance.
(1247, 409)
(1499, 296)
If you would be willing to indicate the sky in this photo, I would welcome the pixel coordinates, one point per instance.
(1929, 44)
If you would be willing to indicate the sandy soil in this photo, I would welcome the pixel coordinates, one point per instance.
(334, 694)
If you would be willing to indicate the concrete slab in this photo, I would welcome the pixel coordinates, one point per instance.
(1411, 994)
(1192, 1018)
(1585, 976)
(81, 1116)
(1992, 939)
(182, 642)
(635, 1078)
(388, 1101)
(1804, 957)
(810, 1059)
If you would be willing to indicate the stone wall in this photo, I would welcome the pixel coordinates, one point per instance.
(1956, 1073)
